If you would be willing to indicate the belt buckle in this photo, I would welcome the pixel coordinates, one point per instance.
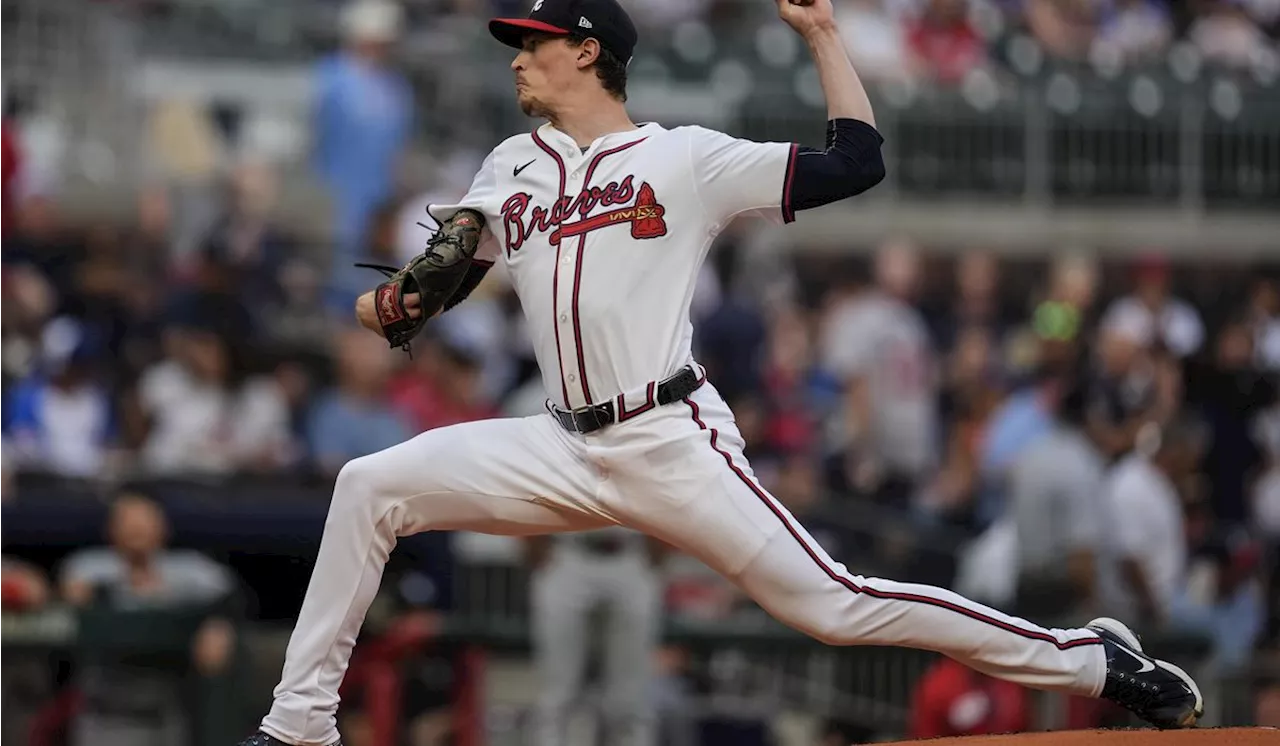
(565, 418)
(601, 415)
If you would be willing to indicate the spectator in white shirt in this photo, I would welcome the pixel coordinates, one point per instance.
(198, 414)
(1136, 30)
(1226, 35)
(1060, 512)
(878, 345)
(1146, 516)
(875, 38)
(1175, 324)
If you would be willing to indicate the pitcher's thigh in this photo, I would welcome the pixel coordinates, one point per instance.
(504, 476)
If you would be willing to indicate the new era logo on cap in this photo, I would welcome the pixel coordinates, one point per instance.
(603, 20)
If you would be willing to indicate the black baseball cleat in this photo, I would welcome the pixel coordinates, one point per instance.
(262, 739)
(1156, 691)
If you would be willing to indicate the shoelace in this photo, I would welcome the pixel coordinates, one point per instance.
(1135, 694)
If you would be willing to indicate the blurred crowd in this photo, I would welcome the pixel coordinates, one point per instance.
(944, 38)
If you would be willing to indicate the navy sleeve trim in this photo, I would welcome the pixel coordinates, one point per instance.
(788, 214)
(851, 164)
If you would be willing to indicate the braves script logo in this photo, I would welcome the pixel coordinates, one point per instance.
(645, 215)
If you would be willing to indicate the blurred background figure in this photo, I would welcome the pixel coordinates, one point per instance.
(1158, 317)
(1147, 511)
(877, 344)
(362, 115)
(603, 582)
(951, 700)
(200, 411)
(10, 172)
(139, 703)
(941, 43)
(61, 419)
(354, 417)
(24, 590)
(1225, 33)
(1062, 518)
(1135, 31)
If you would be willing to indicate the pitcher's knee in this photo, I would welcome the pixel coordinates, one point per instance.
(822, 626)
(357, 487)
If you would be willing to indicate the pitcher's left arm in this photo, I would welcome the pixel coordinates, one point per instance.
(852, 162)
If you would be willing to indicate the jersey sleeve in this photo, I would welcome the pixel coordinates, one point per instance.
(732, 176)
(480, 197)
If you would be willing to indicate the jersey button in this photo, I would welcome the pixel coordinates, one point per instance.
(572, 378)
(564, 318)
(568, 259)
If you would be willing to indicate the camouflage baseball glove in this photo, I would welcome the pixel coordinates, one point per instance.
(435, 276)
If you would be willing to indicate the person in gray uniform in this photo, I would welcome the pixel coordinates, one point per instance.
(609, 575)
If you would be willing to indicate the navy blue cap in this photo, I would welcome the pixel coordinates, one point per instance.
(603, 20)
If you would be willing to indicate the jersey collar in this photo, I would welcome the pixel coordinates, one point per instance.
(566, 145)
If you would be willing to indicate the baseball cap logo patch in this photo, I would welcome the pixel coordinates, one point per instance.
(583, 22)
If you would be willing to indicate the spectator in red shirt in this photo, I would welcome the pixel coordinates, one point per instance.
(10, 160)
(951, 700)
(442, 387)
(943, 44)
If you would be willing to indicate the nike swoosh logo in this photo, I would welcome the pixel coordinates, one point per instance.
(516, 171)
(1147, 665)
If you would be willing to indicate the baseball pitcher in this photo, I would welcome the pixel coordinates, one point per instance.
(602, 224)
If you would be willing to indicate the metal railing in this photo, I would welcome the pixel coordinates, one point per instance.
(1190, 141)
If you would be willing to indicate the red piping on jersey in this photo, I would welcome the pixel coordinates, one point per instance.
(555, 276)
(789, 215)
(577, 327)
(577, 269)
(868, 590)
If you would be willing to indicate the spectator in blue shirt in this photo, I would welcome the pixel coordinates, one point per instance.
(354, 419)
(362, 118)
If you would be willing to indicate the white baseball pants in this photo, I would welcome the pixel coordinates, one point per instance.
(677, 473)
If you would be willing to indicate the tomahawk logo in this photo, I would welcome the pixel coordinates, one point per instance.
(645, 218)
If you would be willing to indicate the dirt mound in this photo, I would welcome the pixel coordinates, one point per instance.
(1196, 737)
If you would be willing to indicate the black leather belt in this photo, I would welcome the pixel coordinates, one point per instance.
(591, 418)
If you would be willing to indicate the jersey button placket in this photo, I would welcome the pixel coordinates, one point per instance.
(564, 308)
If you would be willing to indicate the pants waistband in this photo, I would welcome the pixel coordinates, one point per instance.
(594, 417)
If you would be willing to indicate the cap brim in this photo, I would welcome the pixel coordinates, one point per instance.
(511, 31)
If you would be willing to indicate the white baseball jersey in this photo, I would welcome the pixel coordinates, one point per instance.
(603, 245)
